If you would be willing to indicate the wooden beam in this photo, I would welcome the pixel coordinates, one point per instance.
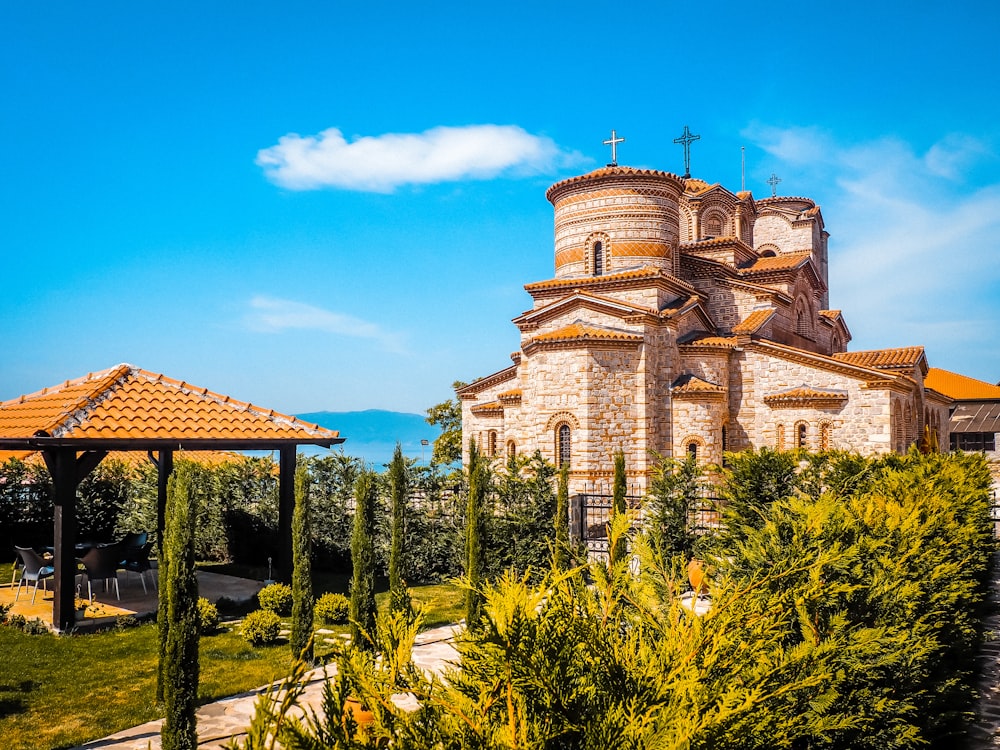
(286, 506)
(67, 471)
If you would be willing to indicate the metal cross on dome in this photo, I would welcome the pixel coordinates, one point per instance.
(613, 142)
(686, 139)
(773, 182)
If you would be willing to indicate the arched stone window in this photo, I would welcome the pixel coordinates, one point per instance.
(563, 445)
(692, 450)
(598, 258)
(491, 443)
(779, 437)
(825, 428)
(802, 435)
(724, 442)
(713, 226)
(803, 318)
(896, 419)
(597, 254)
(511, 449)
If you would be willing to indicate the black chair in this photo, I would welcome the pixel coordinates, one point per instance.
(35, 569)
(135, 539)
(136, 560)
(102, 564)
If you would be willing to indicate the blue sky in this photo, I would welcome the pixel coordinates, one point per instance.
(335, 206)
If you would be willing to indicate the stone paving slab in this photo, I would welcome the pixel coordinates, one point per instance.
(433, 652)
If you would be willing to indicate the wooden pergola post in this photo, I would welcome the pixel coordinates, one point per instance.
(67, 471)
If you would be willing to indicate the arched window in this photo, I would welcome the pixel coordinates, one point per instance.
(563, 445)
(824, 436)
(779, 437)
(491, 446)
(802, 433)
(713, 226)
(692, 450)
(802, 318)
(725, 444)
(598, 258)
(511, 449)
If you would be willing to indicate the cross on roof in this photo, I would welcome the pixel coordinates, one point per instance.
(773, 182)
(613, 142)
(686, 139)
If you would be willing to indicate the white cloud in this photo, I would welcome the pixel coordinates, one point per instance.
(274, 315)
(382, 163)
(912, 238)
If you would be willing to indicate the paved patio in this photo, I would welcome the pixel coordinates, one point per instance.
(133, 603)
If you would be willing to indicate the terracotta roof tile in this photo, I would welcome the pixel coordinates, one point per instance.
(717, 342)
(777, 263)
(692, 385)
(490, 408)
(603, 172)
(754, 321)
(575, 331)
(805, 395)
(126, 402)
(960, 387)
(580, 281)
(831, 314)
(883, 359)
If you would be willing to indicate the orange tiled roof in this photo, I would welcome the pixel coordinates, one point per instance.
(960, 387)
(831, 314)
(126, 403)
(777, 263)
(614, 171)
(883, 359)
(692, 385)
(131, 458)
(753, 322)
(639, 273)
(718, 342)
(490, 408)
(576, 331)
(803, 395)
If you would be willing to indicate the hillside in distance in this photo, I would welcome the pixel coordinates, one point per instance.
(372, 434)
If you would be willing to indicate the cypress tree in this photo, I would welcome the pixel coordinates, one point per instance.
(474, 563)
(300, 638)
(560, 555)
(399, 598)
(363, 608)
(180, 668)
(619, 550)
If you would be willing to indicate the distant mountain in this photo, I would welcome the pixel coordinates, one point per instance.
(372, 434)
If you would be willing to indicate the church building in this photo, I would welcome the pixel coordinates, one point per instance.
(684, 318)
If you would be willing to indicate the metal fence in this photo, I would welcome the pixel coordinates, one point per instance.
(589, 515)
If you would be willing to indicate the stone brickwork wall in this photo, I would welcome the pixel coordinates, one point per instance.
(861, 424)
(634, 211)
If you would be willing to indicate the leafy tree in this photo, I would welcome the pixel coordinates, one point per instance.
(517, 525)
(300, 639)
(448, 416)
(674, 492)
(331, 521)
(180, 664)
(363, 560)
(619, 548)
(560, 553)
(477, 490)
(399, 597)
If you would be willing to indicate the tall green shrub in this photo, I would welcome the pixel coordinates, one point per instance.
(363, 608)
(560, 550)
(517, 517)
(674, 492)
(180, 667)
(477, 489)
(300, 639)
(399, 598)
(619, 546)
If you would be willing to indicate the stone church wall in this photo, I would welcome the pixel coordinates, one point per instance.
(862, 424)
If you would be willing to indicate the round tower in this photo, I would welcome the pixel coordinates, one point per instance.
(616, 218)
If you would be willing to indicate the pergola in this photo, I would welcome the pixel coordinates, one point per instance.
(76, 424)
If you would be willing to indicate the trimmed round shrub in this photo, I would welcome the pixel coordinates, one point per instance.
(261, 627)
(277, 598)
(208, 616)
(333, 609)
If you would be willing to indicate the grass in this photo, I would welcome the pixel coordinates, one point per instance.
(62, 691)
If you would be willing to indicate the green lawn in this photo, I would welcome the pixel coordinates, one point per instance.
(61, 691)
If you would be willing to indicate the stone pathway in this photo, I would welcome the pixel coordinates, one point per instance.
(218, 722)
